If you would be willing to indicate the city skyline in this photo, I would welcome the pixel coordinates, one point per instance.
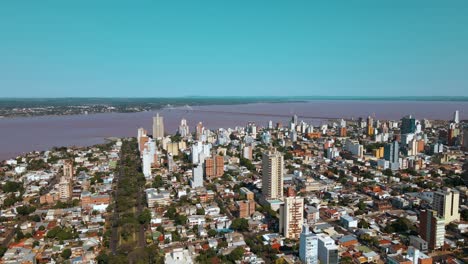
(52, 49)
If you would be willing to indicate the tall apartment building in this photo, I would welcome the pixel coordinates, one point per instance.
(199, 130)
(68, 169)
(214, 167)
(291, 217)
(446, 203)
(272, 175)
(392, 154)
(184, 129)
(247, 152)
(432, 228)
(158, 126)
(465, 138)
(65, 188)
(308, 246)
(327, 250)
(354, 147)
(197, 176)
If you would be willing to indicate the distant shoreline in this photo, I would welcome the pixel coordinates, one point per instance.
(35, 107)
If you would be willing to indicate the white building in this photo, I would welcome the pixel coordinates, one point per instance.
(308, 246)
(197, 176)
(327, 250)
(354, 147)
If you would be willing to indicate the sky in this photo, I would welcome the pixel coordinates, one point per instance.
(175, 48)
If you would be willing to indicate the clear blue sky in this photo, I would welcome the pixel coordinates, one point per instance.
(233, 47)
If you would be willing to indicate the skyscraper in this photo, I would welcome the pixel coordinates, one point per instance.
(158, 126)
(408, 125)
(68, 169)
(199, 131)
(445, 203)
(197, 176)
(272, 175)
(391, 153)
(432, 228)
(456, 118)
(292, 217)
(308, 246)
(184, 128)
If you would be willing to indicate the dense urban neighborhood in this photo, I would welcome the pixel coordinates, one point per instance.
(346, 191)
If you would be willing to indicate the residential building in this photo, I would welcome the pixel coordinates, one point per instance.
(308, 246)
(291, 217)
(158, 126)
(432, 228)
(214, 167)
(446, 203)
(272, 175)
(327, 250)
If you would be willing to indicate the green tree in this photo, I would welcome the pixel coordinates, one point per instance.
(145, 217)
(66, 253)
(236, 254)
(240, 224)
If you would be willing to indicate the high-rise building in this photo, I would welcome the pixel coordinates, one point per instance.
(432, 228)
(270, 124)
(308, 246)
(214, 167)
(291, 217)
(247, 152)
(158, 126)
(197, 176)
(354, 147)
(184, 130)
(370, 126)
(327, 250)
(465, 138)
(342, 131)
(408, 125)
(445, 203)
(199, 131)
(391, 153)
(65, 188)
(68, 169)
(272, 175)
(456, 117)
(294, 120)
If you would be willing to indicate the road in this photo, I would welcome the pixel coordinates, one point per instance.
(115, 216)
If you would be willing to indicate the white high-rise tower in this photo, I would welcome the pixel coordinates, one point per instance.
(456, 117)
(158, 126)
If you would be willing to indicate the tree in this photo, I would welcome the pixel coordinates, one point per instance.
(240, 224)
(145, 217)
(363, 224)
(158, 182)
(11, 186)
(236, 254)
(464, 215)
(66, 253)
(212, 233)
(200, 211)
(102, 258)
(25, 210)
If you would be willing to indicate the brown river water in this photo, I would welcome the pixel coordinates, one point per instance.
(20, 135)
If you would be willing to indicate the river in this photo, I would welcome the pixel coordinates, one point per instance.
(20, 135)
